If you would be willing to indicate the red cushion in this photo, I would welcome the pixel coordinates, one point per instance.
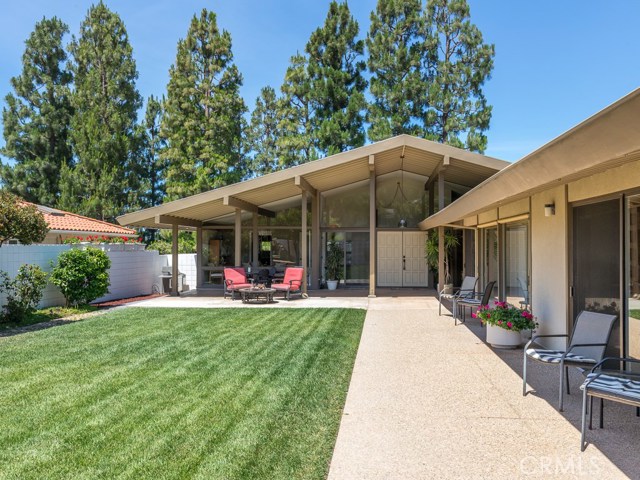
(237, 286)
(234, 275)
(281, 286)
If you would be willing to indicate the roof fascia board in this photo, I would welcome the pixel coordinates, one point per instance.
(602, 140)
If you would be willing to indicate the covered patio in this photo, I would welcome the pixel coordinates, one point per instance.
(368, 201)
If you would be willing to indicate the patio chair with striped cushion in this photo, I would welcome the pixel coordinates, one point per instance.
(586, 348)
(622, 386)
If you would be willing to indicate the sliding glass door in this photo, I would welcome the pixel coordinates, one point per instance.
(633, 276)
(596, 263)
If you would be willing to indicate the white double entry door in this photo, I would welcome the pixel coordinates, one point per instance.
(401, 261)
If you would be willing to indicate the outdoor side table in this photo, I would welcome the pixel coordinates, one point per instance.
(264, 295)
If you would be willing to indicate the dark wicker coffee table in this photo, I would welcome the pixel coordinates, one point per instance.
(257, 295)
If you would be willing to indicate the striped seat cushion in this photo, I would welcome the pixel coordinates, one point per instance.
(554, 356)
(614, 386)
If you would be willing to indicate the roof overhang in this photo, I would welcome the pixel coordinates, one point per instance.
(609, 138)
(403, 152)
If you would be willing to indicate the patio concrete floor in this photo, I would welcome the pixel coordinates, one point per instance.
(428, 399)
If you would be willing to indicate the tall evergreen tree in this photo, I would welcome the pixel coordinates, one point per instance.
(296, 141)
(151, 165)
(102, 183)
(396, 48)
(457, 64)
(336, 82)
(36, 119)
(203, 119)
(262, 134)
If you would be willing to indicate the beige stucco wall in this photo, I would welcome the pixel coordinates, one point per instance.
(549, 269)
(514, 209)
(488, 216)
(625, 177)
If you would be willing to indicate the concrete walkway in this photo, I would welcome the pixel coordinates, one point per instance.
(430, 400)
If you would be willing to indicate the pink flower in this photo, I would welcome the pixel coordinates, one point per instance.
(488, 315)
(509, 324)
(473, 315)
(499, 322)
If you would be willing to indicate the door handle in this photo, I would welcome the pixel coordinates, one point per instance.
(404, 262)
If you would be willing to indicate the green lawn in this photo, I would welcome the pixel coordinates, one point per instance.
(634, 314)
(168, 393)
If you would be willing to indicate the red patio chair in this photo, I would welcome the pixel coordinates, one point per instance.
(234, 279)
(291, 283)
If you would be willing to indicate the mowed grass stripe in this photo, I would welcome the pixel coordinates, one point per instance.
(193, 393)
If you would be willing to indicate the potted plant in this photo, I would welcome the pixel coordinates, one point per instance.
(333, 264)
(432, 250)
(504, 323)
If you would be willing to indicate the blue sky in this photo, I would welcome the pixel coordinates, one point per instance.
(557, 62)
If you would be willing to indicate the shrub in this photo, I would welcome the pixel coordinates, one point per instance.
(20, 220)
(82, 275)
(506, 316)
(24, 292)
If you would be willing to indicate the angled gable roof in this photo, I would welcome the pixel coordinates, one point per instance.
(402, 152)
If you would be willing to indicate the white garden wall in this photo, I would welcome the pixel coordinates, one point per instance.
(132, 273)
(187, 265)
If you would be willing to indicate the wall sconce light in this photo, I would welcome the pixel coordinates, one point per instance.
(402, 223)
(549, 209)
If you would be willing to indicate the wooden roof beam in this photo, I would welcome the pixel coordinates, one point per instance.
(442, 166)
(304, 185)
(247, 207)
(182, 222)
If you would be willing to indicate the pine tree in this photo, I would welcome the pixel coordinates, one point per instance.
(456, 66)
(396, 48)
(336, 82)
(36, 119)
(203, 121)
(296, 141)
(262, 134)
(102, 184)
(151, 165)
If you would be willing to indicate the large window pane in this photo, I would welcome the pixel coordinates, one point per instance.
(346, 207)
(490, 259)
(517, 264)
(400, 200)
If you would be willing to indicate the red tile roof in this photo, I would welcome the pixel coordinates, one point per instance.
(71, 222)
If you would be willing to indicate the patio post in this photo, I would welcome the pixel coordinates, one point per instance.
(174, 260)
(303, 243)
(198, 257)
(440, 258)
(315, 241)
(255, 243)
(372, 227)
(238, 238)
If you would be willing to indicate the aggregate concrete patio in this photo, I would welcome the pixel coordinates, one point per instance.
(428, 399)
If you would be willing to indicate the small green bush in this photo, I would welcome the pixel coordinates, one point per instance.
(24, 292)
(82, 275)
